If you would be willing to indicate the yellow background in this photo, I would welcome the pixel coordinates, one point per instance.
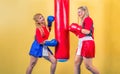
(17, 33)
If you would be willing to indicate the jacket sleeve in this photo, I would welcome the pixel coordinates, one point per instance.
(88, 23)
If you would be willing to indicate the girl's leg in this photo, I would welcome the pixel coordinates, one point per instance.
(53, 61)
(33, 61)
(77, 64)
(89, 65)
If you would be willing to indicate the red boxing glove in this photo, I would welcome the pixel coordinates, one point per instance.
(75, 28)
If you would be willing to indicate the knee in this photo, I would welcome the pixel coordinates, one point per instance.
(32, 64)
(76, 63)
(88, 66)
(54, 61)
(97, 72)
(91, 68)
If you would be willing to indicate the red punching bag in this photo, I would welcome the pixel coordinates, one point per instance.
(61, 29)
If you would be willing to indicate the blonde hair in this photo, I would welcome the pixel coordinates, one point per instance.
(85, 9)
(38, 25)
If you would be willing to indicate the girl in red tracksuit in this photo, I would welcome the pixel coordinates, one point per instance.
(86, 46)
(38, 49)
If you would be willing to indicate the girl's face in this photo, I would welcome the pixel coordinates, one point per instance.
(81, 13)
(41, 20)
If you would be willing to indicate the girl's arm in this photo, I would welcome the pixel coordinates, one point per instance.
(85, 31)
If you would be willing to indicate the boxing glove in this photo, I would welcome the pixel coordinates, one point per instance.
(52, 43)
(50, 19)
(75, 28)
